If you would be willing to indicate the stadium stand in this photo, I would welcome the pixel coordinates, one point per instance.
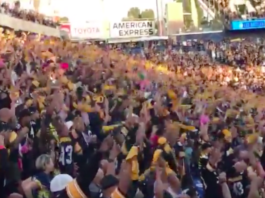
(238, 9)
(259, 5)
(29, 15)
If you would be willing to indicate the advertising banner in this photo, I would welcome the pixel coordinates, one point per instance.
(90, 30)
(125, 29)
(248, 24)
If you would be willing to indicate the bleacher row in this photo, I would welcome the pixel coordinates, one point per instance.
(238, 9)
(14, 10)
(15, 16)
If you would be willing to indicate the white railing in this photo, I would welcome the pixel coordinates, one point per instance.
(206, 8)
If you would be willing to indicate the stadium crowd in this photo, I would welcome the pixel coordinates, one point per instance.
(82, 120)
(28, 15)
(239, 11)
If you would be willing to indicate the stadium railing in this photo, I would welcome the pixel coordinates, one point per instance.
(19, 24)
(27, 20)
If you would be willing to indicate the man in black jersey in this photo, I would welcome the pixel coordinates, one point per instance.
(79, 186)
(26, 154)
(3, 164)
(83, 141)
(238, 180)
(5, 100)
(66, 150)
(12, 140)
(210, 176)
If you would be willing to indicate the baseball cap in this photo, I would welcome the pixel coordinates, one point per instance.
(59, 182)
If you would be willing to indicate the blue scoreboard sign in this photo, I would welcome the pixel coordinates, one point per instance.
(247, 24)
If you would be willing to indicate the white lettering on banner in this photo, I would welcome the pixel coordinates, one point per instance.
(133, 24)
(19, 24)
(87, 31)
(132, 29)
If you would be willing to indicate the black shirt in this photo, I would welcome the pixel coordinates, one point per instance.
(211, 182)
(238, 183)
(85, 177)
(3, 167)
(6, 101)
(66, 153)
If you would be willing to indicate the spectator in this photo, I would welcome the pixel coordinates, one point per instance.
(223, 8)
(28, 15)
(174, 124)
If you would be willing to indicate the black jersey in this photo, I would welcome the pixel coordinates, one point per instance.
(14, 153)
(211, 182)
(238, 183)
(203, 160)
(99, 99)
(34, 128)
(82, 148)
(66, 152)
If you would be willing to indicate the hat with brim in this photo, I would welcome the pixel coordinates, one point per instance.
(59, 182)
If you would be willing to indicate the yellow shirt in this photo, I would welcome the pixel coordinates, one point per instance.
(135, 170)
